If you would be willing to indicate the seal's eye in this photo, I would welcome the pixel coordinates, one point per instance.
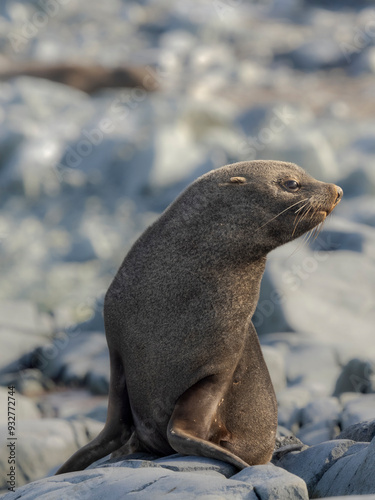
(292, 185)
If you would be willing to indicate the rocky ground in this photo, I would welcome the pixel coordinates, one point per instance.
(82, 175)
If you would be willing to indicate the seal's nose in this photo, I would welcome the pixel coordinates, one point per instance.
(339, 194)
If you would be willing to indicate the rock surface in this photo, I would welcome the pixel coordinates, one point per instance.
(179, 477)
(43, 444)
(362, 431)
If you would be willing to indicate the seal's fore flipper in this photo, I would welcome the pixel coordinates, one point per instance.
(118, 427)
(195, 427)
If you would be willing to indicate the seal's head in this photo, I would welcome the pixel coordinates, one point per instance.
(267, 203)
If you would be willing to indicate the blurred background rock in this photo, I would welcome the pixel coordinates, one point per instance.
(137, 100)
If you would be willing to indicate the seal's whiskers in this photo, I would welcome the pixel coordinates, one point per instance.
(288, 208)
(302, 216)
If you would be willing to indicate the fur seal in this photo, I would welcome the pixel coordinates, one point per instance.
(187, 371)
(87, 78)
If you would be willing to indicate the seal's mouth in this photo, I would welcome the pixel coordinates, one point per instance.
(338, 195)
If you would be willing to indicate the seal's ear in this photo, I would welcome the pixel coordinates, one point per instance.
(238, 180)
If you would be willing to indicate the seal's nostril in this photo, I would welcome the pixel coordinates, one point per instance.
(340, 193)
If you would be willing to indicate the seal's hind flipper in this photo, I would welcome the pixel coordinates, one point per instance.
(118, 426)
(195, 427)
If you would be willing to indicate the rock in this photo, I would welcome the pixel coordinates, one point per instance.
(344, 235)
(175, 145)
(313, 463)
(307, 283)
(364, 62)
(312, 365)
(359, 209)
(319, 421)
(327, 409)
(262, 122)
(179, 477)
(34, 102)
(269, 315)
(322, 53)
(196, 464)
(22, 328)
(96, 322)
(290, 402)
(301, 364)
(318, 432)
(43, 444)
(271, 483)
(140, 483)
(303, 146)
(362, 431)
(25, 407)
(23, 316)
(29, 382)
(76, 359)
(276, 366)
(74, 404)
(352, 497)
(358, 375)
(358, 409)
(353, 473)
(286, 444)
(358, 183)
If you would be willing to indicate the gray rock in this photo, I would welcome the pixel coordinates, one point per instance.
(362, 431)
(304, 146)
(352, 497)
(74, 404)
(44, 444)
(271, 482)
(360, 209)
(29, 382)
(23, 316)
(269, 316)
(286, 445)
(310, 364)
(358, 375)
(307, 282)
(196, 464)
(276, 366)
(290, 402)
(319, 421)
(341, 235)
(352, 474)
(318, 432)
(364, 62)
(175, 462)
(313, 365)
(76, 358)
(327, 409)
(179, 477)
(321, 53)
(357, 183)
(312, 464)
(141, 483)
(22, 328)
(358, 409)
(25, 408)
